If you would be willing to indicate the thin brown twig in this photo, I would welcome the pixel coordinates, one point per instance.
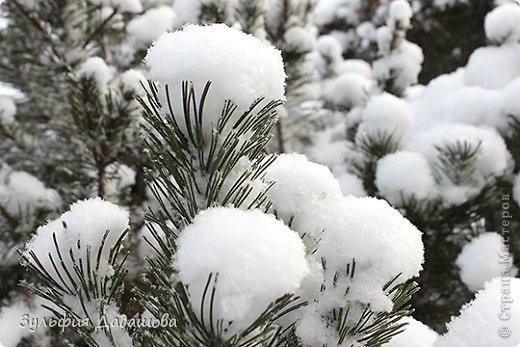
(100, 28)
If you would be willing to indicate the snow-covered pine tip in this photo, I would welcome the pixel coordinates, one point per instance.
(21, 193)
(240, 67)
(97, 69)
(92, 224)
(383, 244)
(495, 307)
(256, 258)
(483, 259)
(399, 15)
(501, 24)
(302, 193)
(415, 334)
(403, 175)
(7, 111)
(384, 116)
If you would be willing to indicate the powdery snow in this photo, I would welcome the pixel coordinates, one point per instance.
(241, 68)
(501, 24)
(144, 29)
(86, 222)
(385, 114)
(492, 161)
(415, 334)
(383, 244)
(271, 260)
(347, 91)
(7, 111)
(404, 175)
(479, 322)
(302, 193)
(96, 68)
(483, 259)
(22, 192)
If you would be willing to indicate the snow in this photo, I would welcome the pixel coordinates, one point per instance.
(144, 29)
(119, 178)
(385, 114)
(21, 192)
(186, 11)
(299, 39)
(516, 189)
(403, 175)
(96, 68)
(347, 91)
(479, 322)
(11, 333)
(501, 24)
(7, 111)
(131, 81)
(328, 11)
(351, 185)
(329, 48)
(415, 334)
(131, 6)
(355, 66)
(85, 223)
(241, 68)
(483, 259)
(383, 243)
(399, 14)
(302, 193)
(492, 161)
(493, 67)
(511, 101)
(403, 64)
(271, 257)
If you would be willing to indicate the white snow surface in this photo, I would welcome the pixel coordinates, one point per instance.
(385, 114)
(415, 334)
(404, 173)
(271, 259)
(85, 222)
(22, 192)
(492, 161)
(400, 12)
(303, 191)
(96, 68)
(7, 111)
(240, 67)
(483, 259)
(501, 24)
(383, 244)
(478, 323)
(144, 29)
(347, 91)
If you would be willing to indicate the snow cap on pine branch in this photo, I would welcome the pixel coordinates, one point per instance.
(383, 244)
(501, 24)
(481, 260)
(85, 224)
(415, 334)
(7, 111)
(241, 68)
(479, 321)
(257, 258)
(403, 175)
(302, 193)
